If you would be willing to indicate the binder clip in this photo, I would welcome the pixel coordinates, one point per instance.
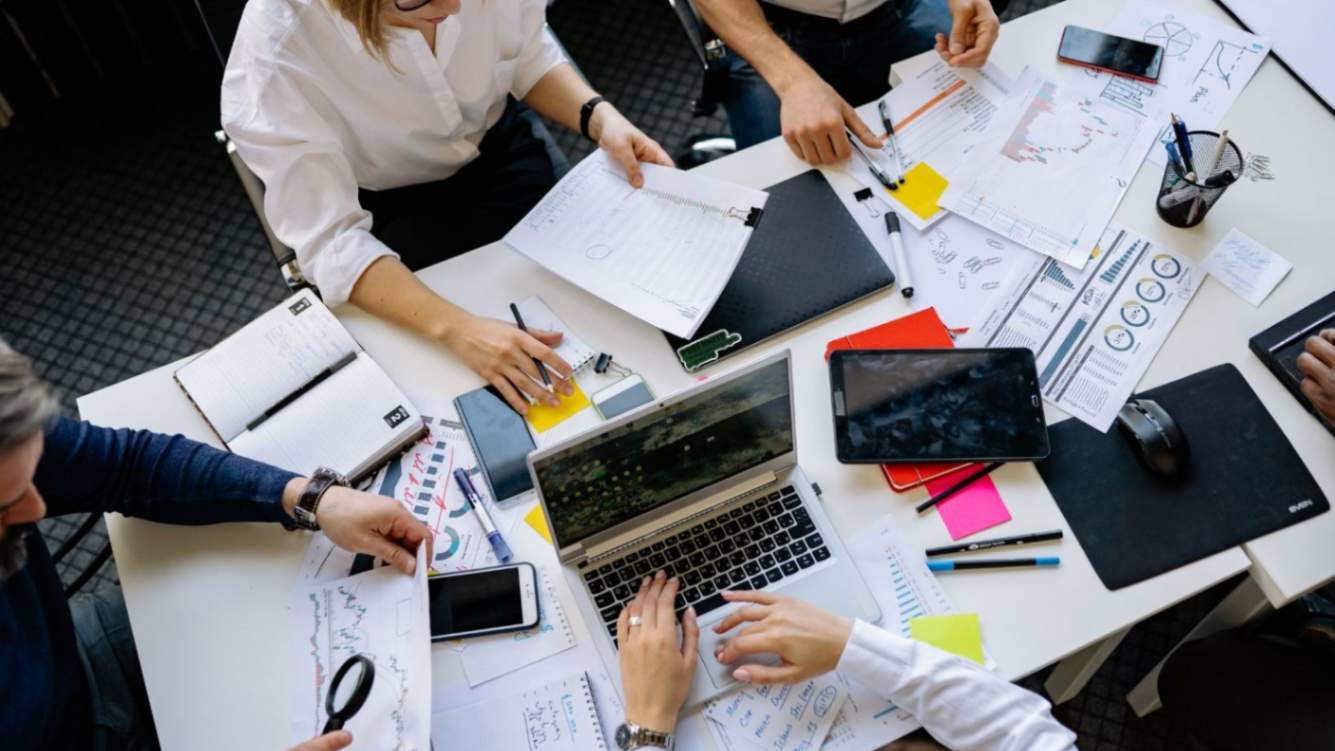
(863, 196)
(604, 363)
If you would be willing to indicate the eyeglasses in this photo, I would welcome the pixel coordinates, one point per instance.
(408, 6)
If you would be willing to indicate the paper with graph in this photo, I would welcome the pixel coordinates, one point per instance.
(381, 614)
(1093, 332)
(1051, 169)
(1207, 63)
(662, 252)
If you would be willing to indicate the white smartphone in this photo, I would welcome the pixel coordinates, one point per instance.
(622, 396)
(483, 601)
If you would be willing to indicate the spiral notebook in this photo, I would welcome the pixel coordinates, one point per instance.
(572, 349)
(560, 716)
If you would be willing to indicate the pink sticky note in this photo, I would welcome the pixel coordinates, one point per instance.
(972, 509)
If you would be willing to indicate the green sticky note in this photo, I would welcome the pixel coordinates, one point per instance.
(958, 634)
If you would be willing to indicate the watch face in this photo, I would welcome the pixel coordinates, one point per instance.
(623, 737)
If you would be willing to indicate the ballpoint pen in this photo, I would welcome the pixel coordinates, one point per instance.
(498, 545)
(880, 175)
(890, 138)
(542, 370)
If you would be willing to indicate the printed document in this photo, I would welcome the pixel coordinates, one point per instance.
(1093, 332)
(662, 253)
(1051, 169)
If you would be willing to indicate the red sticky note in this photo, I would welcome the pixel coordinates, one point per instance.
(973, 509)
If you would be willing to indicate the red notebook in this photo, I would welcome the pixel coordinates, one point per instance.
(921, 330)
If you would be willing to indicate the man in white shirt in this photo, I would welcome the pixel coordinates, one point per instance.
(959, 704)
(796, 65)
(389, 135)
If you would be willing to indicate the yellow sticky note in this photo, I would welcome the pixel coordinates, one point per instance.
(958, 634)
(538, 522)
(544, 418)
(921, 190)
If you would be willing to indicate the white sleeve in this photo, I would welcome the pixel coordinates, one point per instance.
(961, 705)
(310, 191)
(540, 52)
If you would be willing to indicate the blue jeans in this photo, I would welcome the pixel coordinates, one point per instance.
(122, 720)
(854, 59)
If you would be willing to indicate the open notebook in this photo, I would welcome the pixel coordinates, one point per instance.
(558, 716)
(294, 389)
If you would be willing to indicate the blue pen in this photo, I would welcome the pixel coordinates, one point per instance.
(493, 535)
(1051, 560)
(1183, 142)
(1174, 159)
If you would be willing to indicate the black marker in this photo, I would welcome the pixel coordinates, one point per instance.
(996, 543)
(957, 487)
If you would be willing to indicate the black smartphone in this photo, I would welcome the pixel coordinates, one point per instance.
(483, 601)
(500, 440)
(936, 405)
(1095, 49)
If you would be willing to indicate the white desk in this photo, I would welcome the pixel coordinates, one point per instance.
(208, 604)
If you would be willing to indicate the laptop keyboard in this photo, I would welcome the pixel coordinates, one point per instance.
(750, 546)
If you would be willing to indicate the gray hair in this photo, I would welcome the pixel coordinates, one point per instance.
(26, 402)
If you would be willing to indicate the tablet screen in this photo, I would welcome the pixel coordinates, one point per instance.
(937, 405)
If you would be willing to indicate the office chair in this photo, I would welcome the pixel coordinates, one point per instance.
(711, 53)
(72, 542)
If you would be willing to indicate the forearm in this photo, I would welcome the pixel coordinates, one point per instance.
(561, 93)
(961, 705)
(389, 290)
(741, 25)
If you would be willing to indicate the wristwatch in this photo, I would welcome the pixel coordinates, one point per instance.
(321, 481)
(633, 736)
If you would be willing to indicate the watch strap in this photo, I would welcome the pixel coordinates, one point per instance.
(308, 502)
(636, 736)
(585, 113)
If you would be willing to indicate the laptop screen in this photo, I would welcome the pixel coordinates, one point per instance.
(669, 453)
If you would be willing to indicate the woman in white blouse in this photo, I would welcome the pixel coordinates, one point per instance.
(390, 134)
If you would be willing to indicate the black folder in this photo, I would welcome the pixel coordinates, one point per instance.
(1279, 347)
(1244, 480)
(806, 257)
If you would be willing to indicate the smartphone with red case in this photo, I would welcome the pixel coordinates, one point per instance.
(1100, 51)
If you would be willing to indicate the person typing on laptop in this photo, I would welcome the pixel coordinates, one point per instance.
(958, 703)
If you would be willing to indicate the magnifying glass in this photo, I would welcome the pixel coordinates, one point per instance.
(348, 692)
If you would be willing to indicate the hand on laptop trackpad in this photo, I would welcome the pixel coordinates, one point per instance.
(721, 673)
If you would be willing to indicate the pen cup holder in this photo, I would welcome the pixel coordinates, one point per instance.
(1183, 202)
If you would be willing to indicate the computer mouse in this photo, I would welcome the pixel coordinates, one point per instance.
(1156, 437)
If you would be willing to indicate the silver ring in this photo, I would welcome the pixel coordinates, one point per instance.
(635, 620)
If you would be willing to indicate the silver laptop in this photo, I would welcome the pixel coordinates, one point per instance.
(704, 484)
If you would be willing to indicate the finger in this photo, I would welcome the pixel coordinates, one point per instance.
(793, 145)
(393, 555)
(958, 28)
(523, 381)
(825, 146)
(942, 45)
(764, 674)
(690, 639)
(508, 393)
(651, 613)
(751, 641)
(750, 613)
(623, 626)
(625, 156)
(1328, 335)
(809, 153)
(860, 129)
(1322, 349)
(1313, 368)
(653, 153)
(666, 610)
(751, 595)
(327, 742)
(536, 348)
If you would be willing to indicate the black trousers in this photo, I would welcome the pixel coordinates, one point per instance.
(1239, 692)
(430, 222)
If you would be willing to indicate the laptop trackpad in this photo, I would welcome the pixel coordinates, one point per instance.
(720, 674)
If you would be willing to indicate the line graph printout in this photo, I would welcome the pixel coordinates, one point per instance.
(662, 253)
(381, 614)
(1093, 332)
(1049, 173)
(1207, 63)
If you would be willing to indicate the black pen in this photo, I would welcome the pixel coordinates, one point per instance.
(890, 137)
(319, 378)
(880, 176)
(969, 547)
(957, 487)
(519, 320)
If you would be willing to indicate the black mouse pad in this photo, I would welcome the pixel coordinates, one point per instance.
(806, 258)
(1244, 480)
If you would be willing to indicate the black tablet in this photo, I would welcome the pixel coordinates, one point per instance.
(936, 405)
(500, 440)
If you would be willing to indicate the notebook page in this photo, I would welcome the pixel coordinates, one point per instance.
(268, 359)
(572, 349)
(559, 716)
(343, 423)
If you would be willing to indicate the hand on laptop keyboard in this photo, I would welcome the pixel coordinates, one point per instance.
(656, 663)
(812, 640)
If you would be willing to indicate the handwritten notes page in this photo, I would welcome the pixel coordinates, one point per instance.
(1245, 266)
(777, 717)
(487, 657)
(381, 614)
(559, 716)
(662, 253)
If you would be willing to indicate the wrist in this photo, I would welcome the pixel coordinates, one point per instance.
(598, 118)
(292, 493)
(658, 720)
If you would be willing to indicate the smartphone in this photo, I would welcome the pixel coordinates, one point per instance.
(1095, 49)
(937, 405)
(500, 440)
(483, 601)
(621, 397)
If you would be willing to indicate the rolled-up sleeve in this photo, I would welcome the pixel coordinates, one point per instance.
(310, 191)
(540, 52)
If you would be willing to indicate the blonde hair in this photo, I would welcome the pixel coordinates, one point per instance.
(365, 16)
